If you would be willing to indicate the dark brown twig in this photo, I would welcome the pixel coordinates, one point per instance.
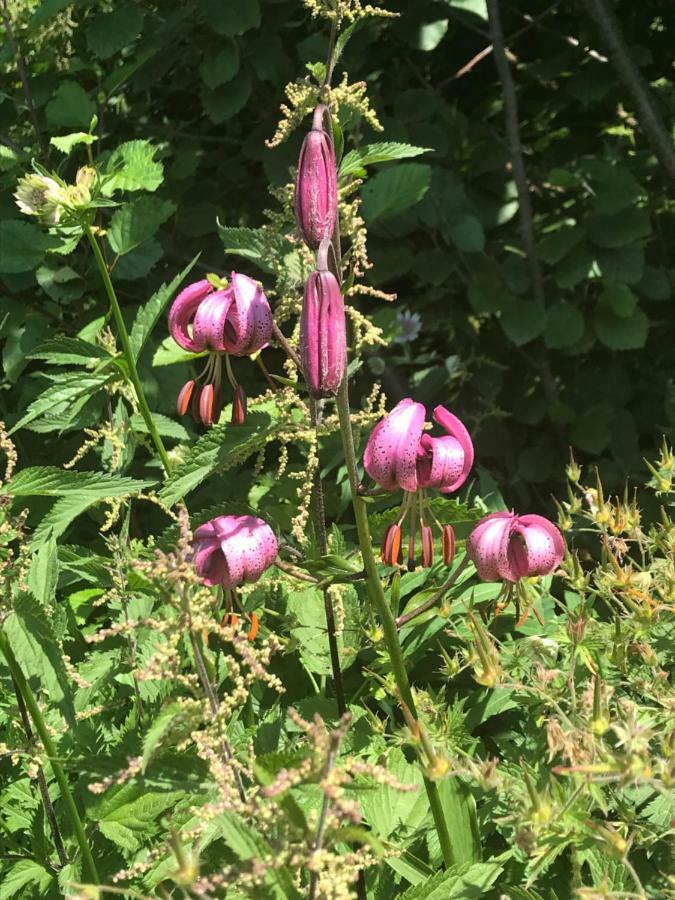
(649, 118)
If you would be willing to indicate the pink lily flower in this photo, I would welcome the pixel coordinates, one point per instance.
(507, 547)
(316, 199)
(233, 550)
(401, 454)
(235, 320)
(323, 330)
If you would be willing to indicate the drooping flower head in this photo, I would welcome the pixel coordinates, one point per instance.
(233, 550)
(323, 330)
(316, 200)
(232, 320)
(507, 547)
(401, 454)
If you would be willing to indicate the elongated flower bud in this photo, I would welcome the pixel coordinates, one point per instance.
(391, 545)
(323, 332)
(316, 184)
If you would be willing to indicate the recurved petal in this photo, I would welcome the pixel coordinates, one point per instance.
(209, 562)
(248, 327)
(390, 457)
(209, 324)
(544, 544)
(182, 312)
(457, 430)
(440, 463)
(487, 546)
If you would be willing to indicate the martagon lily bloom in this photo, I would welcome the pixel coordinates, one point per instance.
(232, 320)
(323, 331)
(233, 550)
(401, 454)
(507, 547)
(316, 200)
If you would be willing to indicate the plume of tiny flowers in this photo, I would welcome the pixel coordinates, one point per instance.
(399, 454)
(232, 319)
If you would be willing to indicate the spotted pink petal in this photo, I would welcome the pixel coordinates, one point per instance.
(246, 547)
(248, 324)
(440, 463)
(488, 544)
(209, 323)
(458, 432)
(544, 546)
(390, 457)
(182, 312)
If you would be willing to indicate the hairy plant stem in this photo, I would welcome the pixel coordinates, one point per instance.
(50, 749)
(323, 815)
(380, 602)
(42, 782)
(128, 352)
(322, 540)
(213, 705)
(435, 598)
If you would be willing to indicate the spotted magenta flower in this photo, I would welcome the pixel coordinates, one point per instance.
(323, 330)
(233, 550)
(507, 547)
(400, 454)
(316, 200)
(233, 320)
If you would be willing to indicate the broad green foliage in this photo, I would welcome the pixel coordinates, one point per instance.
(545, 729)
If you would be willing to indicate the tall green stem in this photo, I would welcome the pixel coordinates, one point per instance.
(50, 749)
(128, 352)
(386, 617)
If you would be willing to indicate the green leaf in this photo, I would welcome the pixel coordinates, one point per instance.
(555, 246)
(22, 246)
(148, 315)
(621, 332)
(251, 243)
(576, 266)
(50, 481)
(432, 34)
(172, 719)
(38, 652)
(459, 807)
(61, 284)
(132, 167)
(63, 392)
(169, 353)
(71, 106)
(231, 18)
(66, 142)
(222, 447)
(225, 102)
(311, 633)
(110, 32)
(221, 67)
(467, 234)
(67, 351)
(564, 326)
(246, 843)
(24, 873)
(387, 151)
(614, 186)
(476, 7)
(135, 222)
(43, 574)
(619, 299)
(618, 230)
(128, 817)
(625, 265)
(523, 321)
(655, 283)
(386, 808)
(165, 426)
(458, 883)
(394, 190)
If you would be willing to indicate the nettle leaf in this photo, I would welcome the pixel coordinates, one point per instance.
(43, 574)
(564, 326)
(248, 844)
(71, 106)
(65, 390)
(127, 816)
(137, 221)
(621, 332)
(66, 142)
(22, 246)
(458, 883)
(38, 652)
(311, 632)
(148, 315)
(67, 351)
(165, 426)
(132, 167)
(110, 32)
(387, 151)
(20, 876)
(221, 448)
(394, 190)
(253, 244)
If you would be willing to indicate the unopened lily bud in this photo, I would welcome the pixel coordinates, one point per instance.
(316, 184)
(391, 545)
(239, 406)
(323, 331)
